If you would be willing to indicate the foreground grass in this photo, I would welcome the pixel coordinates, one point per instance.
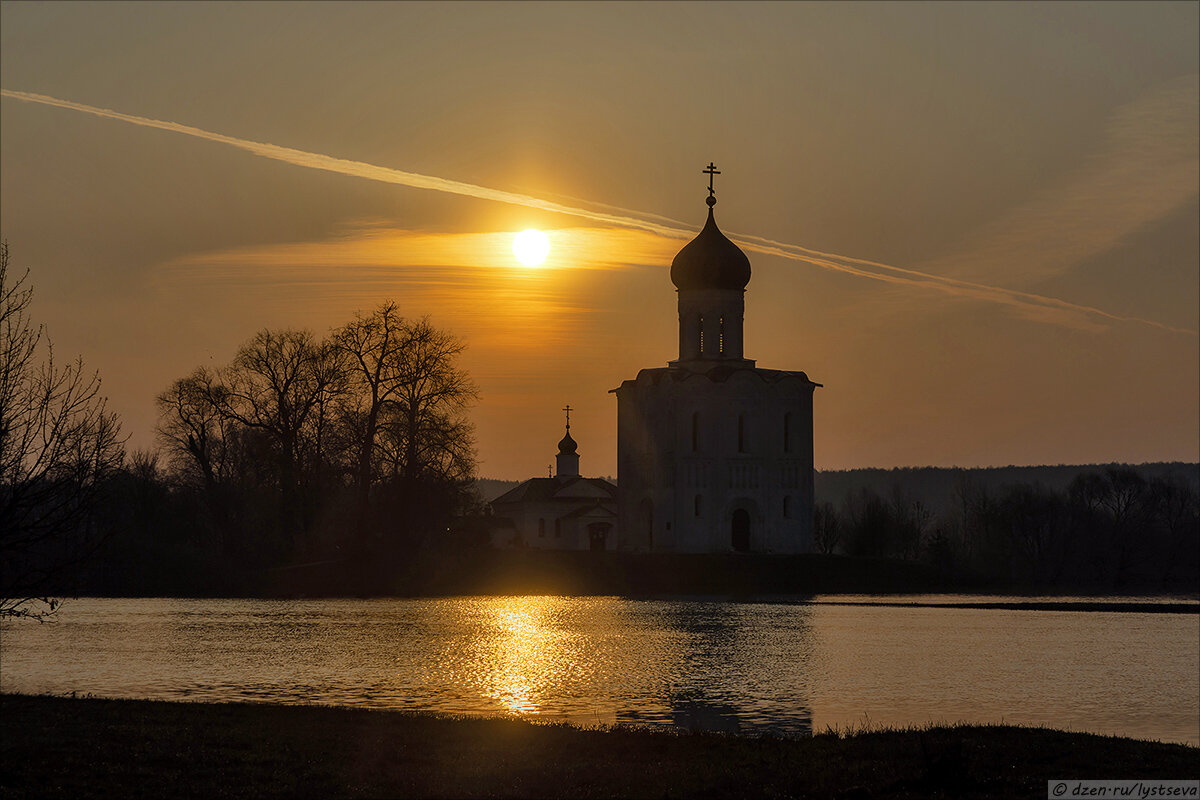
(64, 747)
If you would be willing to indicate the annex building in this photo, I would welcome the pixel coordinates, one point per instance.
(563, 512)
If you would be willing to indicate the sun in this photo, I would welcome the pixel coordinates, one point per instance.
(531, 247)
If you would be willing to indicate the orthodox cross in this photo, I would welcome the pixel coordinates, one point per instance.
(567, 408)
(711, 170)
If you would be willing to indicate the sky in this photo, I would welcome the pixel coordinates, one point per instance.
(975, 224)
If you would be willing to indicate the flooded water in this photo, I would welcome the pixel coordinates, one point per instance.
(787, 668)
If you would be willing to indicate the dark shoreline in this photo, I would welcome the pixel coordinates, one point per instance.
(547, 572)
(66, 747)
(1063, 603)
(1038, 605)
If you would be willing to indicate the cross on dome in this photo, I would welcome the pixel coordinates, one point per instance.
(711, 170)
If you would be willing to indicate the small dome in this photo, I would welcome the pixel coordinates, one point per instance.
(710, 261)
(567, 445)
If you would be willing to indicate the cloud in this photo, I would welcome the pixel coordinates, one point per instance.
(1147, 167)
(1044, 308)
(379, 246)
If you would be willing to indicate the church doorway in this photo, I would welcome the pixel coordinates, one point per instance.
(740, 530)
(647, 520)
(598, 536)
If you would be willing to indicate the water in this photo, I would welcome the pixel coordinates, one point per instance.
(789, 669)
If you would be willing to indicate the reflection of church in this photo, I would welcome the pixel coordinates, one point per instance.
(714, 455)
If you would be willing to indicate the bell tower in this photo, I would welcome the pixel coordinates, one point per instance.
(710, 274)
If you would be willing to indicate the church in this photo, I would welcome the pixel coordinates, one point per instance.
(563, 512)
(714, 454)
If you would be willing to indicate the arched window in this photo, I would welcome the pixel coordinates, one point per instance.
(695, 431)
(787, 506)
(542, 527)
(787, 432)
(701, 334)
(741, 433)
(696, 505)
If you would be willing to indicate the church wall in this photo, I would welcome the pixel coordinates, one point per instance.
(729, 466)
(552, 525)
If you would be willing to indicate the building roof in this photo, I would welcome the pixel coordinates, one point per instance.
(563, 488)
(718, 374)
(710, 261)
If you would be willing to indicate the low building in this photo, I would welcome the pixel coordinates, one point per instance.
(565, 512)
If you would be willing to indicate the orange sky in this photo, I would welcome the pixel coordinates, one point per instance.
(1006, 196)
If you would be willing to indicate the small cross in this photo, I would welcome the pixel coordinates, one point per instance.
(567, 408)
(711, 170)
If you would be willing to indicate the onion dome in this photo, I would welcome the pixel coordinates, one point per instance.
(567, 446)
(710, 261)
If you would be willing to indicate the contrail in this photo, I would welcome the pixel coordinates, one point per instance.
(627, 218)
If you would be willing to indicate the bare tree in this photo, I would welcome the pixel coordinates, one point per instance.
(202, 444)
(282, 383)
(425, 431)
(57, 444)
(194, 430)
(405, 405)
(374, 348)
(826, 528)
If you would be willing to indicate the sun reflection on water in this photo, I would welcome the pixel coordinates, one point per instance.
(525, 653)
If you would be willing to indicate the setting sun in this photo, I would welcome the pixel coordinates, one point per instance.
(531, 247)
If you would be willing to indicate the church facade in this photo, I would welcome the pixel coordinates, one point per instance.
(714, 454)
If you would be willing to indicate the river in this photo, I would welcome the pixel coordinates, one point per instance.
(789, 668)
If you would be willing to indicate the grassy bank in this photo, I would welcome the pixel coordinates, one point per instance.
(126, 748)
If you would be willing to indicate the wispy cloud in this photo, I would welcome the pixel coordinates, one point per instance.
(1147, 167)
(370, 246)
(1045, 308)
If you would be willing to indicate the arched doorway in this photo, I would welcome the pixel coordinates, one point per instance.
(598, 536)
(740, 530)
(646, 512)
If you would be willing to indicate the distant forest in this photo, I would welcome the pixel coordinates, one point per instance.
(1105, 528)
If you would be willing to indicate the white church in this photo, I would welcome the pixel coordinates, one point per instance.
(714, 454)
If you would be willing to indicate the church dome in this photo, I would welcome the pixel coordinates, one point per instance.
(710, 261)
(567, 445)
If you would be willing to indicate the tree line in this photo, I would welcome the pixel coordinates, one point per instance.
(354, 446)
(1110, 529)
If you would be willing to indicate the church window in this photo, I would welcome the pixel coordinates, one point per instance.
(741, 433)
(558, 529)
(701, 334)
(787, 432)
(721, 337)
(695, 431)
(542, 528)
(697, 505)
